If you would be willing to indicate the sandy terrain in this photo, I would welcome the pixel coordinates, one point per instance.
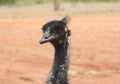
(95, 51)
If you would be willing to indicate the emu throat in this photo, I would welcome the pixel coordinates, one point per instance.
(58, 74)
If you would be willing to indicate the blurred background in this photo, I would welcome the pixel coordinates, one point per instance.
(94, 43)
(39, 8)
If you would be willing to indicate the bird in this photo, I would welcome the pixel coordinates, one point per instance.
(57, 33)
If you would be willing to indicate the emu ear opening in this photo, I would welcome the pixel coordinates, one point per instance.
(66, 20)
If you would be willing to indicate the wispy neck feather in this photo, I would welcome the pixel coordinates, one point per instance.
(59, 70)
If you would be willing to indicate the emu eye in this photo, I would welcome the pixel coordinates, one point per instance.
(59, 30)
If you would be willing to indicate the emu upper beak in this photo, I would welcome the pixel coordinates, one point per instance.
(46, 37)
(43, 40)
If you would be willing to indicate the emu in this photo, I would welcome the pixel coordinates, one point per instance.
(57, 33)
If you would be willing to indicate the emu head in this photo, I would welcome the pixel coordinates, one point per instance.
(55, 31)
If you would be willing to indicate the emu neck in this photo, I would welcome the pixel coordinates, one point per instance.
(61, 55)
(59, 71)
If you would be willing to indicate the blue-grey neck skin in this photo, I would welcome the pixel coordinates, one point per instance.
(58, 74)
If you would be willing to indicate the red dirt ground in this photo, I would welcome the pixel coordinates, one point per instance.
(95, 51)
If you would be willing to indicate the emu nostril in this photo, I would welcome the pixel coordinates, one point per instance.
(46, 37)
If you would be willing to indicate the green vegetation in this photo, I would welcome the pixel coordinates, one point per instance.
(30, 2)
(6, 2)
(20, 2)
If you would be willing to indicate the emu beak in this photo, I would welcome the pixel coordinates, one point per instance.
(42, 40)
(46, 38)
